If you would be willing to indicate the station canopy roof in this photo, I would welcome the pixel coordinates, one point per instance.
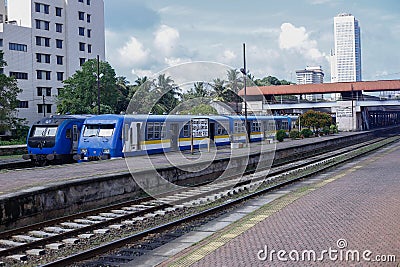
(322, 88)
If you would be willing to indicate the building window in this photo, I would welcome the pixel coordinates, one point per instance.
(88, 2)
(43, 73)
(81, 46)
(42, 24)
(60, 76)
(46, 107)
(19, 75)
(18, 47)
(59, 27)
(59, 43)
(23, 104)
(81, 1)
(89, 33)
(60, 60)
(82, 61)
(1, 42)
(42, 41)
(89, 48)
(42, 8)
(81, 15)
(88, 18)
(42, 58)
(81, 31)
(58, 11)
(48, 91)
(39, 91)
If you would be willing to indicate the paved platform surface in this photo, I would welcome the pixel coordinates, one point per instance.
(347, 217)
(15, 180)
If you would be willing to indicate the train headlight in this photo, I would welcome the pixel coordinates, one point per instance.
(83, 150)
(106, 151)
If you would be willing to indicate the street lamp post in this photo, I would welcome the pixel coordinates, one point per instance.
(244, 72)
(98, 84)
(44, 106)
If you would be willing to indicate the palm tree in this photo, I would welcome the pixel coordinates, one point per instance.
(234, 84)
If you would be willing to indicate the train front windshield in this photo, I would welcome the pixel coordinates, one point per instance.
(40, 131)
(98, 130)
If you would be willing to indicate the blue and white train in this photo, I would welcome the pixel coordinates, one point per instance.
(54, 139)
(113, 136)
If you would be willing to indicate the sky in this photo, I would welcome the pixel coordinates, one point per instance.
(146, 37)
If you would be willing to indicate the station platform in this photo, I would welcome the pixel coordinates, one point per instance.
(349, 216)
(12, 181)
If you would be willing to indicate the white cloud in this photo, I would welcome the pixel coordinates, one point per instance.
(166, 40)
(227, 56)
(133, 53)
(297, 40)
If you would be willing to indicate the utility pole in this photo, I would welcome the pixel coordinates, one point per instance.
(98, 84)
(244, 72)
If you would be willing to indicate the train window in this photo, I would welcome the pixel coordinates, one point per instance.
(68, 133)
(256, 126)
(90, 130)
(221, 130)
(239, 127)
(150, 131)
(106, 130)
(157, 130)
(44, 131)
(163, 130)
(285, 125)
(186, 130)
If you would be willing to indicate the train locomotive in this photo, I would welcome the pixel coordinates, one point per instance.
(114, 136)
(54, 139)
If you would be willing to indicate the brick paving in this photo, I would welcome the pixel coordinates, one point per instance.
(361, 205)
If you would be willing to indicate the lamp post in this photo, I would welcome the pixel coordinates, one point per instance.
(98, 84)
(244, 72)
(44, 106)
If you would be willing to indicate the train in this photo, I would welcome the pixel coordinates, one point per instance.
(54, 139)
(114, 136)
(76, 138)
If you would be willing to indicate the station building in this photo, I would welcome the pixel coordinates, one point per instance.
(45, 42)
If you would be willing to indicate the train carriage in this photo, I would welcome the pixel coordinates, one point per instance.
(54, 139)
(111, 136)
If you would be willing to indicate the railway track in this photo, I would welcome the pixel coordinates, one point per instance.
(85, 235)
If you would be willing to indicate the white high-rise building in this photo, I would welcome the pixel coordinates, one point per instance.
(45, 42)
(310, 75)
(346, 56)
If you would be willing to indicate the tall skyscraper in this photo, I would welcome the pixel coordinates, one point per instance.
(45, 42)
(346, 56)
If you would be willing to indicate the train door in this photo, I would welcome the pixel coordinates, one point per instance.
(75, 138)
(174, 131)
(212, 131)
(135, 136)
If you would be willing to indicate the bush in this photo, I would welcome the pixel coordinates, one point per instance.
(306, 133)
(294, 134)
(326, 130)
(333, 129)
(280, 135)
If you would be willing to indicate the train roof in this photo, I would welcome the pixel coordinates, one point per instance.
(57, 119)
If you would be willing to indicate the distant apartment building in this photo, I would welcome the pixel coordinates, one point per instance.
(45, 42)
(310, 75)
(346, 56)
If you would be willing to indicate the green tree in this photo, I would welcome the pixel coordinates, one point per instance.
(201, 109)
(8, 99)
(234, 84)
(79, 95)
(315, 119)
